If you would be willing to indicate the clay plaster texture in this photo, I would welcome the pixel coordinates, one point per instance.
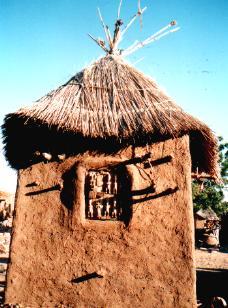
(146, 261)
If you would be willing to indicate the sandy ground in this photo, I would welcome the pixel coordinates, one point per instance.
(211, 259)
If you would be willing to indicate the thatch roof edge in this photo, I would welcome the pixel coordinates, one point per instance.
(17, 138)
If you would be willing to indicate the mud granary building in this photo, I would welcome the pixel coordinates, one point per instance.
(6, 205)
(103, 212)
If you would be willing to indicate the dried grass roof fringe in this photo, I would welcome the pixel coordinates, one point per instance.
(111, 99)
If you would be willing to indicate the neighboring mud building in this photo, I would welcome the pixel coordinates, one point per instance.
(104, 206)
(6, 205)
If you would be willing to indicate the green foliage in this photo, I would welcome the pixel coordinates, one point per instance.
(208, 194)
(223, 160)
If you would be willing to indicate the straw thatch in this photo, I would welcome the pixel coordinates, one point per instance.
(108, 103)
(207, 214)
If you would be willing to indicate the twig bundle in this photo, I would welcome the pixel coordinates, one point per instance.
(113, 42)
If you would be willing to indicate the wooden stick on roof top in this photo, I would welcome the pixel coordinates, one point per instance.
(140, 17)
(106, 29)
(132, 20)
(99, 42)
(119, 8)
(161, 33)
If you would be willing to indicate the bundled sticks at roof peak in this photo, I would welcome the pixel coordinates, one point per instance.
(111, 45)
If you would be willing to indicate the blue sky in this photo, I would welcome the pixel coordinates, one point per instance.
(43, 43)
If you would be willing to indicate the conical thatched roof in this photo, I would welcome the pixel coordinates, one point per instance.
(208, 214)
(109, 101)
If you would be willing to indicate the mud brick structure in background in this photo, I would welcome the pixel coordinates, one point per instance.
(6, 205)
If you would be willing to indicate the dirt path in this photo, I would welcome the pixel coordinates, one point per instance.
(211, 260)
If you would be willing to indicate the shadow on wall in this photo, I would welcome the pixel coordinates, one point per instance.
(125, 197)
(168, 191)
(40, 137)
(67, 194)
(86, 277)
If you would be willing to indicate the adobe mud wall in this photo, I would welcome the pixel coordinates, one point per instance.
(59, 257)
